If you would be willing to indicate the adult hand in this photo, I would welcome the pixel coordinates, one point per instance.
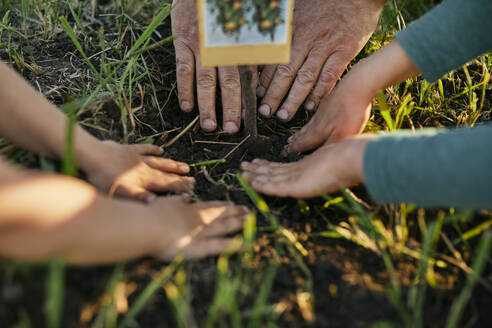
(188, 64)
(327, 35)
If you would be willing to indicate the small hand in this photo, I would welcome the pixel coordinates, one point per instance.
(188, 63)
(324, 171)
(195, 230)
(343, 114)
(126, 171)
(327, 35)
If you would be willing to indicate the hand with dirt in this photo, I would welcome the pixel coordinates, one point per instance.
(188, 65)
(137, 171)
(324, 171)
(346, 111)
(327, 35)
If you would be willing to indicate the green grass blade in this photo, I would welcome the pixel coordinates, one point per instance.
(148, 292)
(385, 113)
(55, 293)
(154, 24)
(208, 163)
(68, 29)
(482, 254)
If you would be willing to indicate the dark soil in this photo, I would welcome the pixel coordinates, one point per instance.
(349, 280)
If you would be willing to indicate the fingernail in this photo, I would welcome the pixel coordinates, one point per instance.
(209, 125)
(184, 167)
(310, 105)
(230, 127)
(260, 91)
(246, 175)
(186, 106)
(290, 139)
(150, 198)
(244, 165)
(265, 110)
(283, 114)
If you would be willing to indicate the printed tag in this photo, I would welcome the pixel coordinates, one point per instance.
(245, 32)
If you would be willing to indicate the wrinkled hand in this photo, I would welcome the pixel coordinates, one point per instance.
(324, 171)
(188, 63)
(195, 230)
(327, 35)
(126, 171)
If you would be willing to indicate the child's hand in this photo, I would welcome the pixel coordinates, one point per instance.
(195, 230)
(344, 113)
(126, 171)
(324, 171)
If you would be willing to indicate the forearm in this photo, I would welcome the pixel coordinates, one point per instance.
(386, 67)
(432, 168)
(33, 123)
(44, 215)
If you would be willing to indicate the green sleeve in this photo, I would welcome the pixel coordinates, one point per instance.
(448, 36)
(432, 168)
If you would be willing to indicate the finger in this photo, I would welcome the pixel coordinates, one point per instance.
(303, 84)
(264, 168)
(282, 80)
(159, 181)
(282, 188)
(214, 211)
(185, 70)
(206, 78)
(167, 165)
(230, 88)
(266, 77)
(208, 247)
(331, 72)
(134, 192)
(144, 149)
(310, 136)
(225, 227)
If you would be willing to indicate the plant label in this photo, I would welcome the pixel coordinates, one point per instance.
(245, 32)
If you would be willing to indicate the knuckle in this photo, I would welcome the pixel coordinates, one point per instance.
(207, 81)
(230, 82)
(285, 71)
(305, 76)
(184, 68)
(328, 77)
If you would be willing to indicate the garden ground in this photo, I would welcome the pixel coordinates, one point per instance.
(333, 261)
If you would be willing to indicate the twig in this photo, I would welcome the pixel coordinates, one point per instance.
(182, 133)
(249, 95)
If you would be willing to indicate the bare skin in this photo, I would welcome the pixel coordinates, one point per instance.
(30, 121)
(93, 229)
(327, 35)
(188, 65)
(45, 215)
(343, 114)
(324, 171)
(346, 111)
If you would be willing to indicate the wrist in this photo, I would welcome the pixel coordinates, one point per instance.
(90, 152)
(358, 148)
